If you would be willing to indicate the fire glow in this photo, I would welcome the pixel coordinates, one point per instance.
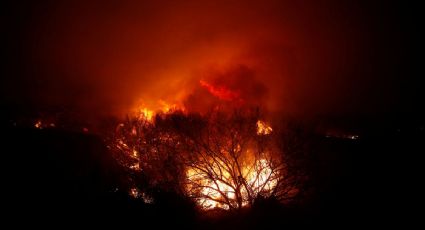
(220, 92)
(161, 107)
(263, 128)
(224, 161)
(221, 192)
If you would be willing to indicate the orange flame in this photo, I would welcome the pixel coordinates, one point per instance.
(232, 190)
(147, 112)
(263, 128)
(258, 175)
(38, 125)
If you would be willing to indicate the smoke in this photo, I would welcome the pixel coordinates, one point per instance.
(105, 57)
(235, 87)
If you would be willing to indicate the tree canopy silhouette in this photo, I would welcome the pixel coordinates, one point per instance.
(218, 159)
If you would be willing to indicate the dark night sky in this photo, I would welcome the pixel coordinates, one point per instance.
(354, 61)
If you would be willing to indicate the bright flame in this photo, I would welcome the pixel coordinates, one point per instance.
(134, 192)
(135, 167)
(257, 177)
(38, 125)
(148, 112)
(210, 188)
(263, 128)
(222, 180)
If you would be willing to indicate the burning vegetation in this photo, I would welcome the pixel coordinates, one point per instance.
(220, 160)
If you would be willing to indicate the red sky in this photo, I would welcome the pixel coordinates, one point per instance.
(304, 58)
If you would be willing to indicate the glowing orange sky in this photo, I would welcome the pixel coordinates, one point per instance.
(297, 58)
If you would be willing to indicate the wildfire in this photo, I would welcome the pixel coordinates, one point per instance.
(263, 128)
(38, 124)
(223, 162)
(257, 177)
(229, 185)
(148, 112)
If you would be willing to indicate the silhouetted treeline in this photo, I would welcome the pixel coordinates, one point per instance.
(53, 174)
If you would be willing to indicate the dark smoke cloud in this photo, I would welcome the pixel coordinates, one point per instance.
(304, 58)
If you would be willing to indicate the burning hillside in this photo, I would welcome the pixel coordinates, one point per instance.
(248, 110)
(220, 159)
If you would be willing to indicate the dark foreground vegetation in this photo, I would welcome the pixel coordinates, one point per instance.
(51, 175)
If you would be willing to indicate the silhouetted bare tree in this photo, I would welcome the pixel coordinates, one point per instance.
(220, 160)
